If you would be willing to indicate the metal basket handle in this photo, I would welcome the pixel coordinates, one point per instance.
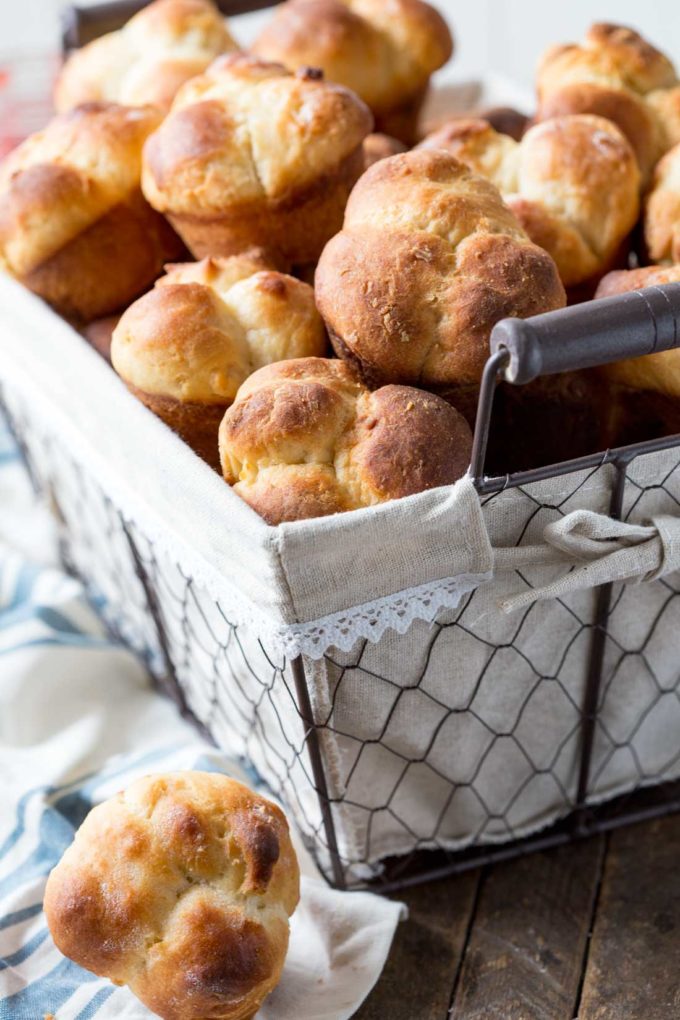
(569, 339)
(593, 333)
(81, 23)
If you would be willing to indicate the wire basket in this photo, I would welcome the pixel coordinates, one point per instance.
(469, 738)
(458, 735)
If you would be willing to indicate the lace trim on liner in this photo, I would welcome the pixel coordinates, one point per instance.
(372, 619)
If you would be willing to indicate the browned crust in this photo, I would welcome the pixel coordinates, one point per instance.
(499, 279)
(311, 491)
(584, 169)
(108, 265)
(394, 329)
(33, 192)
(568, 249)
(294, 227)
(185, 36)
(46, 200)
(414, 441)
(155, 888)
(645, 62)
(313, 441)
(464, 398)
(346, 42)
(623, 281)
(195, 134)
(99, 927)
(370, 289)
(259, 842)
(197, 424)
(629, 113)
(645, 391)
(282, 412)
(212, 970)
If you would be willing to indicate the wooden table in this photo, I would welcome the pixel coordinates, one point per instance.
(590, 930)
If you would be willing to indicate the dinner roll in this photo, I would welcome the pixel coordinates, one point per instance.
(161, 47)
(662, 210)
(74, 226)
(306, 438)
(658, 372)
(617, 74)
(572, 182)
(252, 155)
(385, 52)
(181, 888)
(428, 261)
(186, 346)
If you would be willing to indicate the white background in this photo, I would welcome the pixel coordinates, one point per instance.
(505, 35)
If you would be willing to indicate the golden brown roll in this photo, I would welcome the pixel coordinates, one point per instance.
(186, 346)
(385, 52)
(181, 888)
(74, 226)
(161, 47)
(572, 182)
(377, 146)
(616, 74)
(662, 210)
(252, 155)
(643, 397)
(306, 438)
(428, 261)
(658, 372)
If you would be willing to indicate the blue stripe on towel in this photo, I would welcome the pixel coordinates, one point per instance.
(28, 948)
(9, 920)
(46, 995)
(95, 1002)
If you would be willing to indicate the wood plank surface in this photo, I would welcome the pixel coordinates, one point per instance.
(633, 970)
(528, 941)
(419, 974)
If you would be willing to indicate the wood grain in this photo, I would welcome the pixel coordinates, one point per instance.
(417, 980)
(527, 945)
(633, 970)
